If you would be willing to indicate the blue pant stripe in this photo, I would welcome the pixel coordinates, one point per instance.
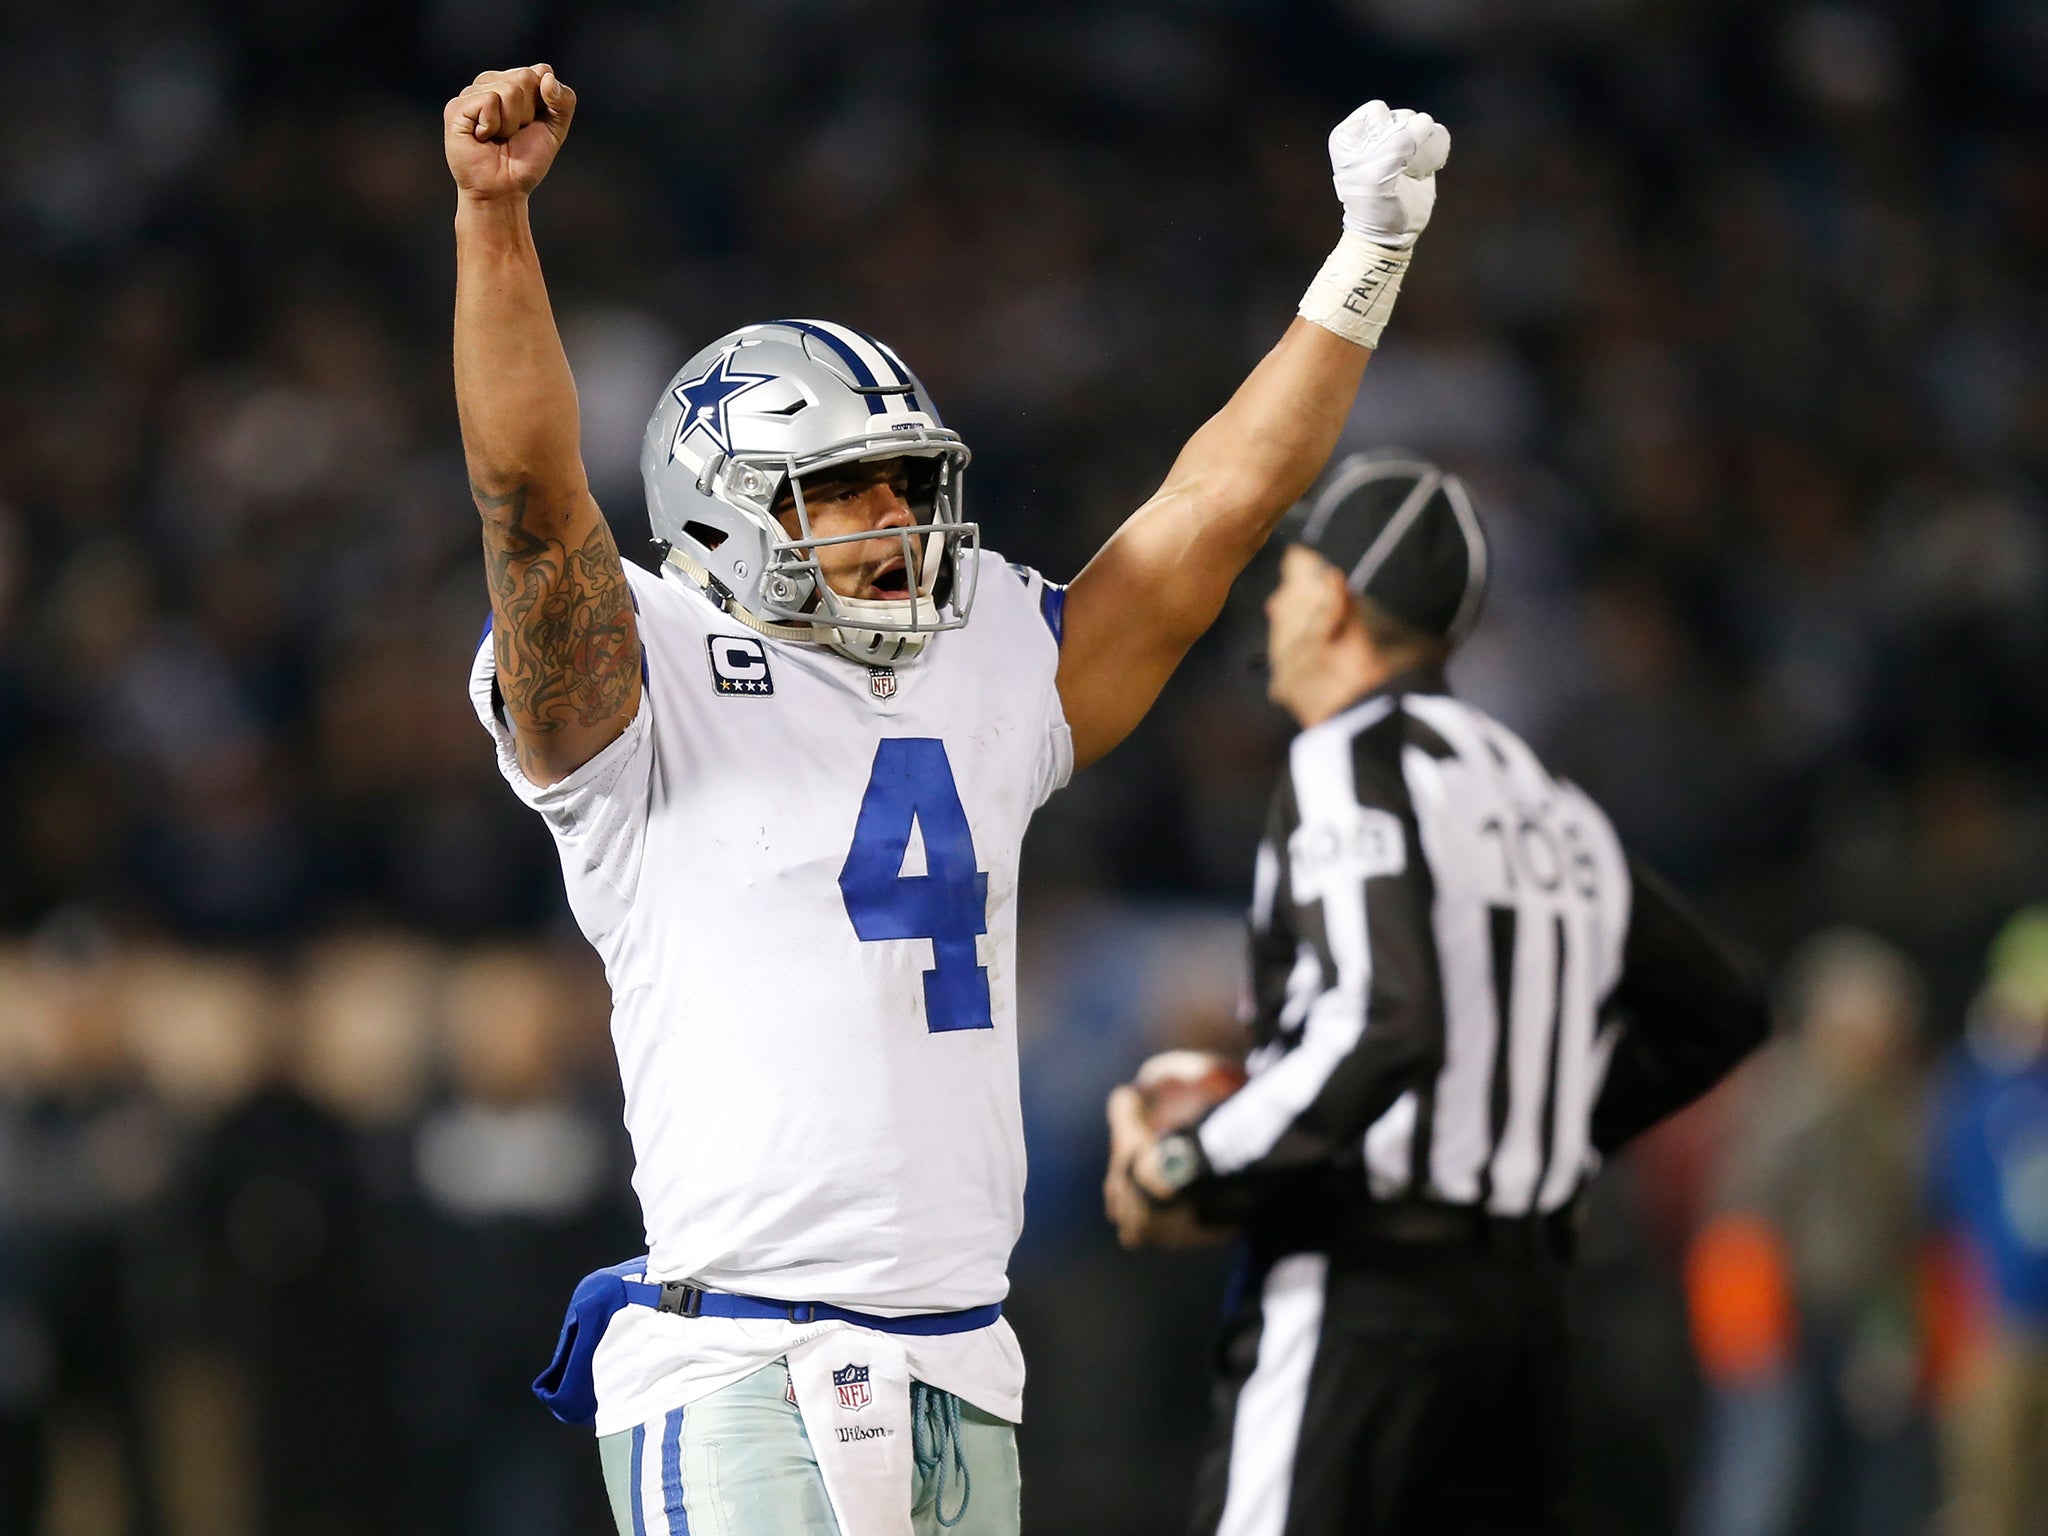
(672, 1474)
(633, 1480)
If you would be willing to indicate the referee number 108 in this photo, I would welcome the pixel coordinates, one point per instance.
(1534, 855)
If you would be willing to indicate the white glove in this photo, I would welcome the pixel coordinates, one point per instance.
(1384, 165)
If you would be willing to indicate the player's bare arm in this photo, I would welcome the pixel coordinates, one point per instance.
(565, 645)
(1162, 578)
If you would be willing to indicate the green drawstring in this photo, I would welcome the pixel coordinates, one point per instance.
(935, 1442)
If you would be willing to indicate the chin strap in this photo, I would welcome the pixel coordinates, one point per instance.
(716, 590)
(881, 647)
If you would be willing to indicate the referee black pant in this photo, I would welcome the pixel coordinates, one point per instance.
(1404, 1382)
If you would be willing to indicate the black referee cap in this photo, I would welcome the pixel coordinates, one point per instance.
(1406, 535)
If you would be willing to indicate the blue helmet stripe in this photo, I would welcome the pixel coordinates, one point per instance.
(862, 373)
(888, 373)
(917, 396)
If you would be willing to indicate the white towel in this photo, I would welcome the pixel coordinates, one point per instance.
(853, 1388)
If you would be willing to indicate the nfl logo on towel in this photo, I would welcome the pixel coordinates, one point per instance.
(852, 1382)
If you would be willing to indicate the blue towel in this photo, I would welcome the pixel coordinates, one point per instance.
(565, 1387)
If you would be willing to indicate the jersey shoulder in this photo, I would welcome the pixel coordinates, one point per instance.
(682, 631)
(666, 602)
(1014, 594)
(1450, 730)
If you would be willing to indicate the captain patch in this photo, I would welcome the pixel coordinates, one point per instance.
(739, 664)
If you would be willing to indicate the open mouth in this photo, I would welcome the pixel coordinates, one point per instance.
(893, 581)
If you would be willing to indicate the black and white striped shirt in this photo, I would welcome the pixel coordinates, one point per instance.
(1460, 988)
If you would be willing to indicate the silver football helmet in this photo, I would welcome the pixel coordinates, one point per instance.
(753, 414)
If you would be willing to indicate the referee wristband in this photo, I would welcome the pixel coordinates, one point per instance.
(1354, 293)
(1182, 1162)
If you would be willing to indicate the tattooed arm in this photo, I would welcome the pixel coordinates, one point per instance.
(567, 650)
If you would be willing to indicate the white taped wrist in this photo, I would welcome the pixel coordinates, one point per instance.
(1354, 293)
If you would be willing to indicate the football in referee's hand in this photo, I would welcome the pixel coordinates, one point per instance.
(1179, 1087)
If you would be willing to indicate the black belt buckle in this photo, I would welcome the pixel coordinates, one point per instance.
(1518, 1239)
(681, 1298)
(803, 1311)
(1538, 1236)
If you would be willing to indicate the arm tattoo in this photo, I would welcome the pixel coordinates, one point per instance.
(564, 638)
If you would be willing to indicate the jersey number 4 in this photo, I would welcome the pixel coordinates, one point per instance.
(910, 790)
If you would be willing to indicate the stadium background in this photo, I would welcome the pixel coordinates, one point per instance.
(1733, 313)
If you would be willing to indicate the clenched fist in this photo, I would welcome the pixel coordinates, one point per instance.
(1384, 165)
(501, 134)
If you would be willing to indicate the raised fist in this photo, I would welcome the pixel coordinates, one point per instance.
(501, 134)
(1384, 164)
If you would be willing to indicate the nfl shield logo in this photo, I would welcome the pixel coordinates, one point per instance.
(882, 682)
(852, 1382)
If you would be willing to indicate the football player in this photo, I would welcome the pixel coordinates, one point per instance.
(789, 778)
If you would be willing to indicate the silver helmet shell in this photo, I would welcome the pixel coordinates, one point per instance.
(755, 412)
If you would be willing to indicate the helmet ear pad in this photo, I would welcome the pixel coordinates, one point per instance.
(793, 589)
(788, 585)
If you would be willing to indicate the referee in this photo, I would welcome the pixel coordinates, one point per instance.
(1463, 995)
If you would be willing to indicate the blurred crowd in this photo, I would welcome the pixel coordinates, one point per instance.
(1734, 313)
(280, 1249)
(1869, 1277)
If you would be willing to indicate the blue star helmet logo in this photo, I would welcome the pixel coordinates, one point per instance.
(704, 400)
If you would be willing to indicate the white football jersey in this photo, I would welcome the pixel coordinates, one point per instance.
(801, 873)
